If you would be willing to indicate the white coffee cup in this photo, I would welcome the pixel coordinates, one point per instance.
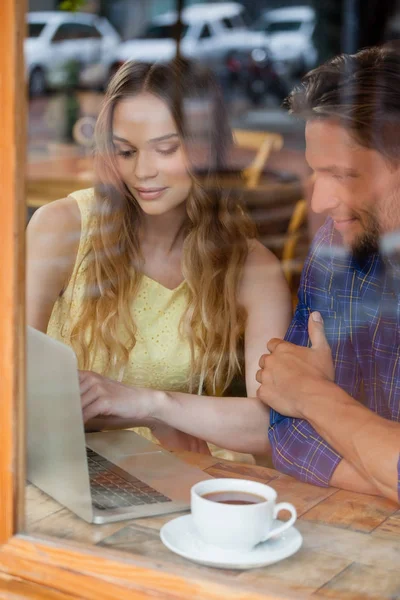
(237, 526)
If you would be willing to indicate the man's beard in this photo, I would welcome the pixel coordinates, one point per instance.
(367, 243)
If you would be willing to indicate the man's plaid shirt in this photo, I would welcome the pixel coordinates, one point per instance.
(360, 305)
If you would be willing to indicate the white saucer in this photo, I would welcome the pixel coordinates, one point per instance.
(180, 536)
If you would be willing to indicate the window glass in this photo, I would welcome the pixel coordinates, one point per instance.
(283, 26)
(35, 29)
(160, 32)
(205, 32)
(228, 23)
(146, 327)
(66, 32)
(88, 32)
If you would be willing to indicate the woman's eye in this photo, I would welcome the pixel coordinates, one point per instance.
(168, 149)
(125, 153)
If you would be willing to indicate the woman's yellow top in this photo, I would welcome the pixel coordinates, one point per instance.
(161, 357)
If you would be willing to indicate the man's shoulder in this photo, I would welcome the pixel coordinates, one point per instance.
(325, 232)
(328, 243)
(326, 269)
(327, 251)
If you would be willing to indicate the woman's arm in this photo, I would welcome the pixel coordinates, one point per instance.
(52, 244)
(239, 424)
(266, 297)
(53, 236)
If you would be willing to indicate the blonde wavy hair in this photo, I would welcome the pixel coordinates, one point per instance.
(216, 245)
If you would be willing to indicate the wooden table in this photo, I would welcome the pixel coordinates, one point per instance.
(351, 547)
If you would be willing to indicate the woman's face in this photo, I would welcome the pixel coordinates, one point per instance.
(149, 154)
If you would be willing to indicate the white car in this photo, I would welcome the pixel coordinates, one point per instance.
(210, 33)
(288, 34)
(57, 38)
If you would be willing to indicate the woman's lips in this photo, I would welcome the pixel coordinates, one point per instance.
(150, 193)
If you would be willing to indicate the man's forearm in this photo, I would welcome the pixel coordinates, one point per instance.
(347, 477)
(366, 441)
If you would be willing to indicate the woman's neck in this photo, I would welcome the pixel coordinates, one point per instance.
(164, 233)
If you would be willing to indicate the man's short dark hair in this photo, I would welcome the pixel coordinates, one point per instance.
(362, 92)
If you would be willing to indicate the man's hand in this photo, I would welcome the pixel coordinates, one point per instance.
(290, 372)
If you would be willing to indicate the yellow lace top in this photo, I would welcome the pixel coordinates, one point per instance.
(161, 357)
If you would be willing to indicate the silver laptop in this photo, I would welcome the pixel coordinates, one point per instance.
(102, 477)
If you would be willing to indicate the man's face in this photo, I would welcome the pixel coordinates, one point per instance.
(355, 186)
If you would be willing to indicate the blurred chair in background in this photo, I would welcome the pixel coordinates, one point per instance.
(263, 143)
(293, 236)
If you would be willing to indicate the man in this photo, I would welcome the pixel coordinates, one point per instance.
(325, 435)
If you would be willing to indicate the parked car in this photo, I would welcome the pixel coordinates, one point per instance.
(209, 33)
(56, 39)
(288, 34)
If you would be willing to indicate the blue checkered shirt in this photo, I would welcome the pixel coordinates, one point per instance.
(360, 305)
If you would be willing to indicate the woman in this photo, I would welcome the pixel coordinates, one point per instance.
(165, 278)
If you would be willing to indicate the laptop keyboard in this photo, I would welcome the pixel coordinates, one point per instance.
(112, 487)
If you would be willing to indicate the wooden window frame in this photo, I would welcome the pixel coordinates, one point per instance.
(34, 566)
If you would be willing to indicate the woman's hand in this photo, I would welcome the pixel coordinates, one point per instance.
(102, 397)
(115, 403)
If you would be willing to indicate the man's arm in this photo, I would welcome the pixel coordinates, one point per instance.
(297, 449)
(298, 382)
(370, 443)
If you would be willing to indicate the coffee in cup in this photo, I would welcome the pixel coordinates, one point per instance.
(233, 497)
(237, 514)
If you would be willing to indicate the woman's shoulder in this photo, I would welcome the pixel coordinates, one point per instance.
(53, 238)
(260, 256)
(262, 272)
(64, 214)
(84, 198)
(60, 215)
